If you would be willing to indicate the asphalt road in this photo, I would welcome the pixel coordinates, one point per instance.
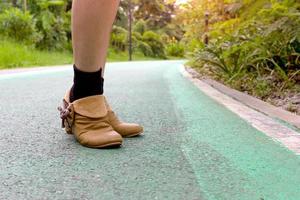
(192, 148)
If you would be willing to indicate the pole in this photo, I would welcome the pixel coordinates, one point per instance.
(129, 30)
(206, 39)
(25, 5)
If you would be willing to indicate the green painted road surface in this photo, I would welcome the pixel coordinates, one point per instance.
(192, 148)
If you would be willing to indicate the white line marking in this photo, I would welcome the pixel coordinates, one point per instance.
(23, 73)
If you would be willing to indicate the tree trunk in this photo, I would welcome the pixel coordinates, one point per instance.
(14, 3)
(129, 30)
(25, 5)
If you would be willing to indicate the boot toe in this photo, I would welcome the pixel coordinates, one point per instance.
(94, 139)
(129, 129)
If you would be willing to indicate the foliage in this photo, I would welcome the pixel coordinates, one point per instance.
(174, 48)
(137, 36)
(46, 26)
(4, 5)
(145, 48)
(18, 25)
(172, 30)
(16, 54)
(119, 38)
(53, 31)
(140, 27)
(154, 41)
(257, 52)
(53, 23)
(227, 60)
(156, 13)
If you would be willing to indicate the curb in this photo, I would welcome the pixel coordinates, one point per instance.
(254, 103)
(259, 120)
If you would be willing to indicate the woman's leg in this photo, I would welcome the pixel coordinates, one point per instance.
(91, 26)
(89, 117)
(86, 117)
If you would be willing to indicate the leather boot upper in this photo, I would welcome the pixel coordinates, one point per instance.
(124, 129)
(88, 120)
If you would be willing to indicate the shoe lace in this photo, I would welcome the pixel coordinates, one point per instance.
(64, 113)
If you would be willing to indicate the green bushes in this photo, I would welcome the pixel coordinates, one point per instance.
(257, 54)
(53, 31)
(261, 55)
(145, 48)
(54, 25)
(174, 48)
(140, 27)
(47, 29)
(19, 25)
(154, 41)
(46, 26)
(149, 43)
(119, 38)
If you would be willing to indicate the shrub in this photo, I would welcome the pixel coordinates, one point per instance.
(175, 48)
(57, 7)
(118, 38)
(52, 28)
(227, 60)
(54, 24)
(140, 27)
(18, 25)
(4, 6)
(193, 44)
(260, 56)
(154, 41)
(144, 48)
(137, 36)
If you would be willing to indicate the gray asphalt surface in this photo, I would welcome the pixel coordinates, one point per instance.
(192, 148)
(39, 161)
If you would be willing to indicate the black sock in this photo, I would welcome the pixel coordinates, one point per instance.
(86, 84)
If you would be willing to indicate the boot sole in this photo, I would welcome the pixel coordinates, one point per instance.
(133, 135)
(113, 144)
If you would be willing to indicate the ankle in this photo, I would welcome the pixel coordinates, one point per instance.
(86, 84)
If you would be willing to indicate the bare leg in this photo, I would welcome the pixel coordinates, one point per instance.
(91, 26)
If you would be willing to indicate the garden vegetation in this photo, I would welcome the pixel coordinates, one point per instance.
(253, 46)
(42, 27)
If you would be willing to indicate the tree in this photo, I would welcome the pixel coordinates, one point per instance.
(157, 13)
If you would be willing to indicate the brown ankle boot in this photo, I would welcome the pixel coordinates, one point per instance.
(88, 120)
(124, 129)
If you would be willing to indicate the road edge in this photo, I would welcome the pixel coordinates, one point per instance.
(284, 135)
(254, 103)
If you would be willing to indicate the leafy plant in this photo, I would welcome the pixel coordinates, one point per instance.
(257, 52)
(119, 38)
(228, 61)
(144, 48)
(21, 26)
(52, 28)
(154, 41)
(140, 26)
(53, 23)
(175, 48)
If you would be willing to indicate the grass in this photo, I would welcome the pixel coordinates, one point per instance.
(15, 55)
(116, 56)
